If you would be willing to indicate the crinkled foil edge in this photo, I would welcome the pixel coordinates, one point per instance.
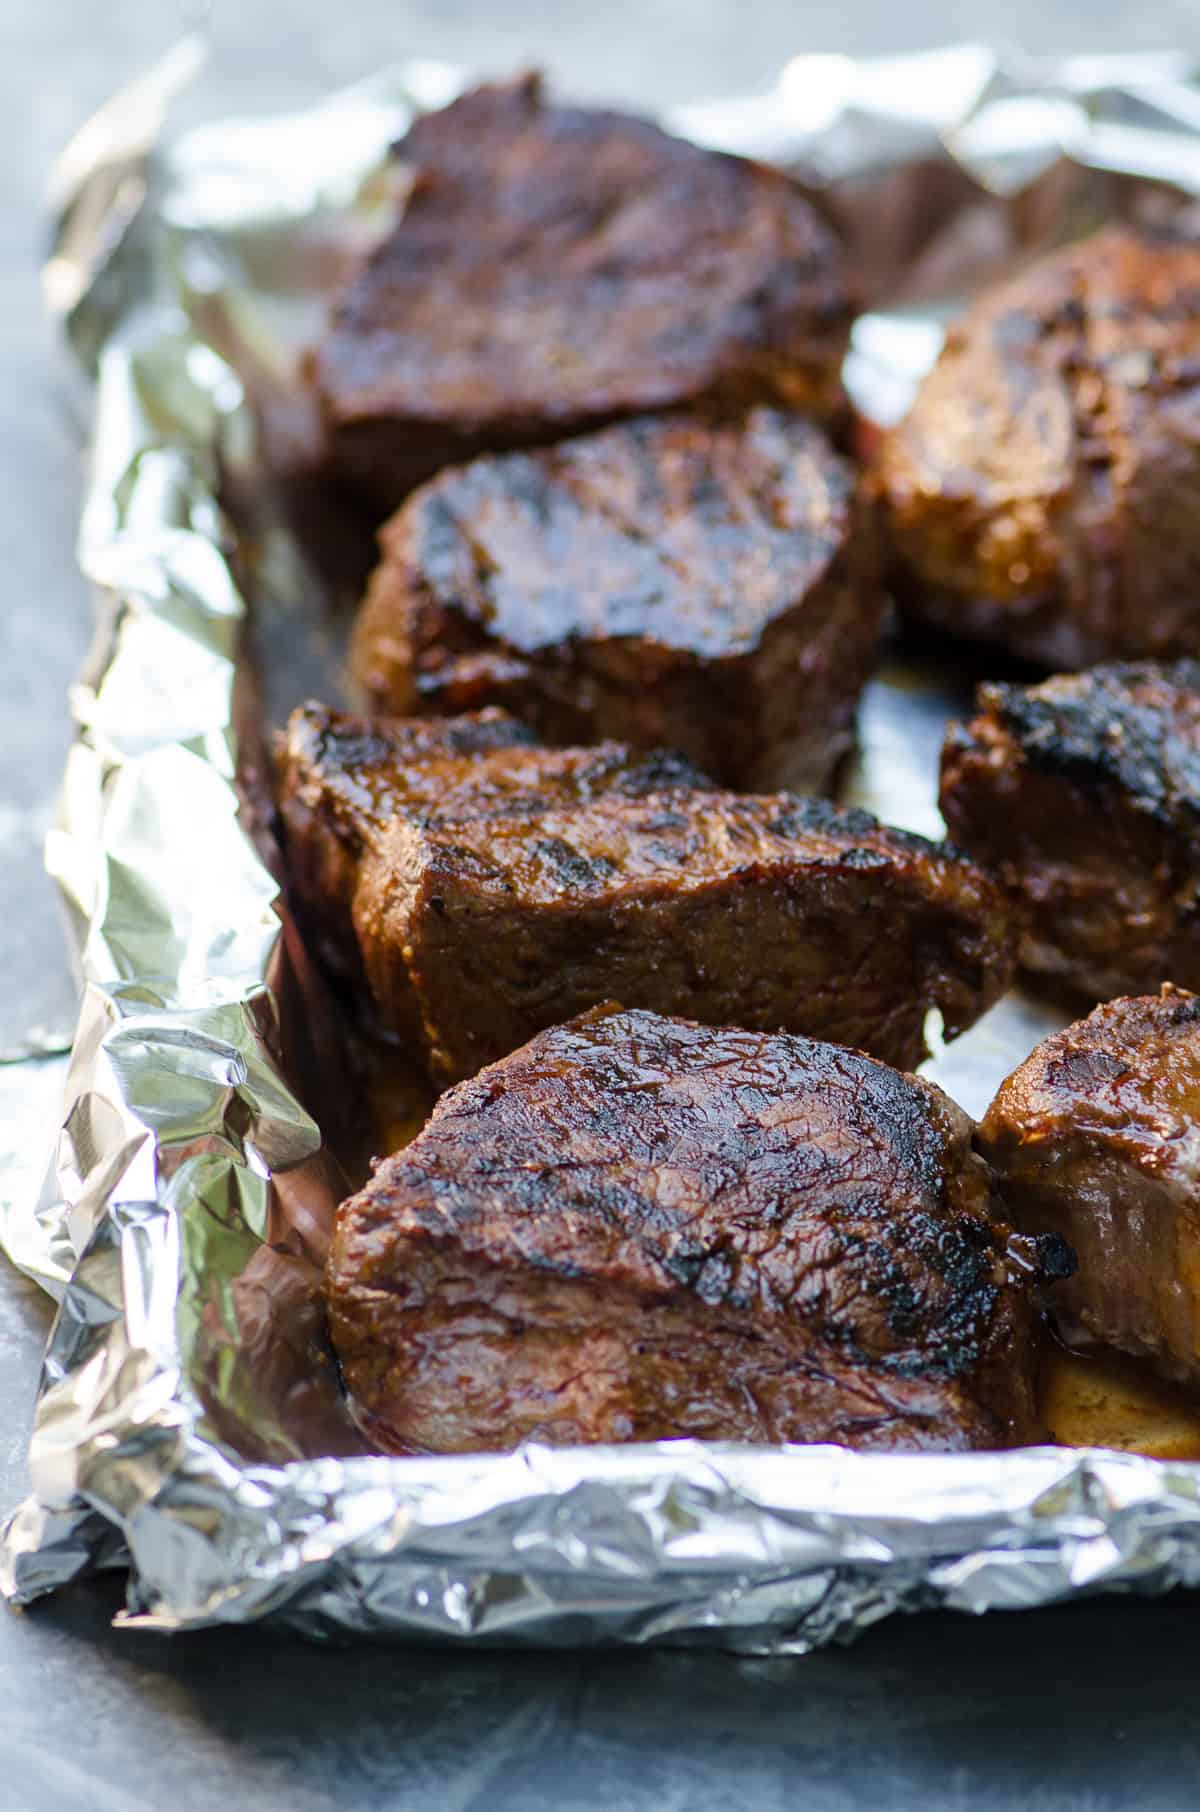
(176, 1114)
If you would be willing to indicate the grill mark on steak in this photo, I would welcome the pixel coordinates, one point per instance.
(569, 867)
(635, 1228)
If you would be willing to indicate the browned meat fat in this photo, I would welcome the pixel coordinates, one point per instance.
(554, 269)
(1083, 794)
(709, 588)
(636, 1228)
(1044, 492)
(544, 881)
(1097, 1138)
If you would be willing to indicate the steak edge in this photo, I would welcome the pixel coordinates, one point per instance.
(1083, 795)
(1096, 1138)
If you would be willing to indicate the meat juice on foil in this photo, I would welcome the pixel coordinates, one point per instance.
(189, 1425)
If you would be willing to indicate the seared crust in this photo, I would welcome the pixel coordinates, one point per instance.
(1044, 491)
(554, 269)
(636, 1228)
(710, 588)
(1083, 793)
(343, 780)
(1096, 1137)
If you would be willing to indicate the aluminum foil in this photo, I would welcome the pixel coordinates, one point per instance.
(189, 1426)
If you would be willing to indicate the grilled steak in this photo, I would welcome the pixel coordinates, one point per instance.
(483, 888)
(636, 1228)
(1084, 794)
(1044, 492)
(343, 780)
(1097, 1138)
(554, 269)
(669, 582)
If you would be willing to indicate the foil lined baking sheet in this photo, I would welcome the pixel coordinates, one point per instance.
(189, 1425)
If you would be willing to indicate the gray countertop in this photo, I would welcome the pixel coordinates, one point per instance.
(1067, 1711)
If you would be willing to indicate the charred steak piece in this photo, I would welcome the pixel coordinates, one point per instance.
(765, 911)
(1084, 795)
(636, 1228)
(712, 588)
(1044, 492)
(554, 269)
(1097, 1138)
(343, 780)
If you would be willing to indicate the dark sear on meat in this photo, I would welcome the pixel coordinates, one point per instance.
(1096, 1137)
(1083, 794)
(343, 780)
(502, 908)
(1044, 492)
(636, 1228)
(712, 588)
(553, 269)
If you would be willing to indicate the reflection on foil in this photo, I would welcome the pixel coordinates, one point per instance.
(889, 355)
(189, 1424)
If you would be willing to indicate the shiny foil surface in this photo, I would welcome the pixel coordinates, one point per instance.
(189, 1425)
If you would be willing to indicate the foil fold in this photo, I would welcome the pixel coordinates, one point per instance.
(189, 1427)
